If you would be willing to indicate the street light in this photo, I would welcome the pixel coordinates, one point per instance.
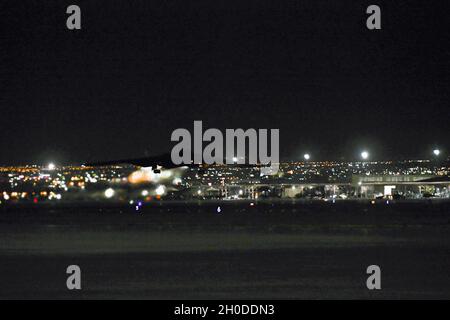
(364, 155)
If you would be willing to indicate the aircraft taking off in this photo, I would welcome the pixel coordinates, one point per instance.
(150, 169)
(154, 169)
(162, 161)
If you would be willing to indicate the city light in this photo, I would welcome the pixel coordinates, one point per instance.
(306, 156)
(67, 183)
(109, 193)
(51, 166)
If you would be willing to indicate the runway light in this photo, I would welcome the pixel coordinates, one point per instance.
(160, 190)
(109, 193)
(436, 152)
(364, 155)
(306, 156)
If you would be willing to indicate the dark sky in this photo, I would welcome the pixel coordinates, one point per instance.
(140, 69)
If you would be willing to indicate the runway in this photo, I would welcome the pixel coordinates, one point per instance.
(268, 250)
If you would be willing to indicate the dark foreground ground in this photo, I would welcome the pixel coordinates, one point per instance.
(284, 249)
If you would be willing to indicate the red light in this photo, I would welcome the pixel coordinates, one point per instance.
(35, 200)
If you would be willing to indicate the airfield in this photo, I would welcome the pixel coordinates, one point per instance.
(265, 249)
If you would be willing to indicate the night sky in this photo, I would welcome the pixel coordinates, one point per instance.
(137, 70)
